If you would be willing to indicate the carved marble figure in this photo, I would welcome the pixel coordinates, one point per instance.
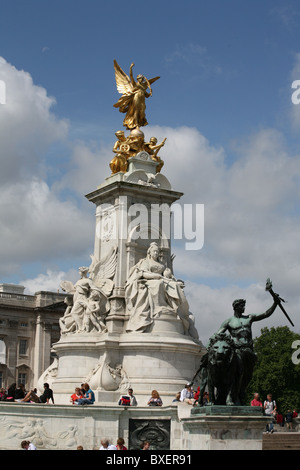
(151, 290)
(87, 309)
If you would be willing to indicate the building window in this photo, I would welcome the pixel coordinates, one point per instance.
(2, 352)
(21, 378)
(1, 379)
(23, 347)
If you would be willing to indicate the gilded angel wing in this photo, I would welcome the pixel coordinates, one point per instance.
(67, 286)
(124, 85)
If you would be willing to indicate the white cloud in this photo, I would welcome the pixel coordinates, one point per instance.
(49, 282)
(252, 220)
(251, 205)
(87, 168)
(36, 226)
(27, 125)
(36, 223)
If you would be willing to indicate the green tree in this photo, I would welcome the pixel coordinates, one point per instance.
(275, 371)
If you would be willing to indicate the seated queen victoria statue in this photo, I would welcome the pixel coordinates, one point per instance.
(152, 290)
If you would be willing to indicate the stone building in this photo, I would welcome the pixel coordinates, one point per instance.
(29, 325)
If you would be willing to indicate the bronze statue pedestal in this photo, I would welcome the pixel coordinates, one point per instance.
(219, 427)
(214, 410)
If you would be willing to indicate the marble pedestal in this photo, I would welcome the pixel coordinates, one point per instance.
(160, 361)
(224, 428)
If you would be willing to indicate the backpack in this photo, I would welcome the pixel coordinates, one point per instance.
(125, 401)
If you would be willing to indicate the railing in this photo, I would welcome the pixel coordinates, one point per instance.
(12, 296)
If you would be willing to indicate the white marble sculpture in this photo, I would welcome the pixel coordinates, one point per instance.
(152, 290)
(89, 305)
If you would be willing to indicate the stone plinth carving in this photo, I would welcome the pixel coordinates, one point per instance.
(152, 290)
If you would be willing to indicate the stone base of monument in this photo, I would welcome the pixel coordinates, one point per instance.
(111, 363)
(175, 427)
(224, 428)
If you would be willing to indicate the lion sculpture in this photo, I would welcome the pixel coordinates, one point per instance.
(218, 371)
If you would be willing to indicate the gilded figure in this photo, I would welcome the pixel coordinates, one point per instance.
(134, 93)
(152, 148)
(121, 148)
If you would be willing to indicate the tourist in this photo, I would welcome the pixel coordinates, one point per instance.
(128, 400)
(2, 394)
(27, 445)
(105, 445)
(47, 395)
(89, 396)
(155, 399)
(31, 397)
(205, 399)
(196, 396)
(76, 396)
(177, 397)
(120, 444)
(256, 401)
(20, 393)
(133, 401)
(289, 420)
(11, 392)
(187, 394)
(279, 419)
(270, 410)
(145, 445)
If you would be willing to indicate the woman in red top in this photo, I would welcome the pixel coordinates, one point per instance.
(256, 401)
(76, 396)
(120, 444)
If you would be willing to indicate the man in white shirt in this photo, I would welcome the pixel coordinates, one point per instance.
(133, 401)
(27, 445)
(270, 410)
(187, 395)
(105, 445)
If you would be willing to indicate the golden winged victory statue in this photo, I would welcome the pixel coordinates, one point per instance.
(134, 94)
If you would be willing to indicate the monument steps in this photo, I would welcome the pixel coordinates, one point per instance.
(281, 441)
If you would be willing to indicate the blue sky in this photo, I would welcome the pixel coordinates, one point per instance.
(216, 59)
(224, 97)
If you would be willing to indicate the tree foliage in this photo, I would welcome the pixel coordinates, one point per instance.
(276, 371)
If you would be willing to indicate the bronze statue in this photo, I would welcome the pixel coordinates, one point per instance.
(236, 361)
(134, 93)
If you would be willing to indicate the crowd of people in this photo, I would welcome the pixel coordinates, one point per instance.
(18, 393)
(190, 396)
(270, 409)
(85, 396)
(105, 445)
